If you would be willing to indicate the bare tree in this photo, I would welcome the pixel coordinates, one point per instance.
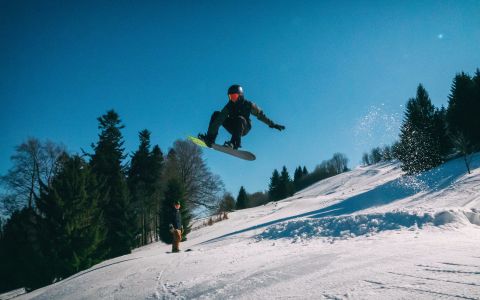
(258, 198)
(9, 204)
(227, 204)
(203, 188)
(340, 162)
(34, 164)
(365, 159)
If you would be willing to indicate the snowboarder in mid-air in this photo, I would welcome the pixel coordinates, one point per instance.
(235, 117)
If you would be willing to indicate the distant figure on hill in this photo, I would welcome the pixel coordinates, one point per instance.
(176, 227)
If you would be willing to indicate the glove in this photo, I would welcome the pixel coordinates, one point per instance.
(277, 126)
(208, 139)
(170, 228)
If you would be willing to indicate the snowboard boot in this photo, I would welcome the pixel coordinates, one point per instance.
(207, 139)
(231, 144)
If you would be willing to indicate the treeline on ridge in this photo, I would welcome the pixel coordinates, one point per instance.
(429, 136)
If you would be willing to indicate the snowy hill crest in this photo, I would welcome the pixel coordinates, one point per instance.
(368, 233)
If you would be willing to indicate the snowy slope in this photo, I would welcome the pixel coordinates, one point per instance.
(369, 233)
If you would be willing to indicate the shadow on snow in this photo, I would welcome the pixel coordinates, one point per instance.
(428, 182)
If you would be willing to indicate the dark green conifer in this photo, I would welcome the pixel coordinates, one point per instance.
(419, 148)
(476, 109)
(387, 153)
(461, 115)
(73, 226)
(158, 183)
(23, 262)
(440, 132)
(375, 155)
(297, 176)
(305, 171)
(286, 184)
(107, 165)
(274, 187)
(242, 199)
(144, 182)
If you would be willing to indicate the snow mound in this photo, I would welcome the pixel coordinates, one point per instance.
(473, 216)
(457, 216)
(346, 226)
(349, 226)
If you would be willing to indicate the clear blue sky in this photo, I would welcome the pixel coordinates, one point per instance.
(335, 73)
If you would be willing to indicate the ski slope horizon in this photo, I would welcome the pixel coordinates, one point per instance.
(368, 233)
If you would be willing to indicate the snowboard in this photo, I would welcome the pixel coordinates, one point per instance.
(237, 153)
(188, 250)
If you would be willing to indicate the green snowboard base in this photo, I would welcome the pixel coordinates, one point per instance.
(237, 153)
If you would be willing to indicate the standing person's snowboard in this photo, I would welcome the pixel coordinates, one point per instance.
(237, 153)
(188, 250)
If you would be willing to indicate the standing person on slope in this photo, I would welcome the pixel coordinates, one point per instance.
(176, 227)
(235, 117)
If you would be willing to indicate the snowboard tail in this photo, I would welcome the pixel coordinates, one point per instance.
(237, 153)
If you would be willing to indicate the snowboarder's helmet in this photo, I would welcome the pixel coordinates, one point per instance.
(235, 89)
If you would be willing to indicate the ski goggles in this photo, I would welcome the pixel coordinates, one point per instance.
(233, 97)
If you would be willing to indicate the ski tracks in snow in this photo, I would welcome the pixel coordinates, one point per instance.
(163, 289)
(437, 281)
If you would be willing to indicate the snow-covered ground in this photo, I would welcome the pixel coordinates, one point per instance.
(366, 234)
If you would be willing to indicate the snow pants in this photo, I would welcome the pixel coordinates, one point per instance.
(177, 237)
(236, 126)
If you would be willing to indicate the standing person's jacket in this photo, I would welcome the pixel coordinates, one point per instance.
(241, 108)
(177, 219)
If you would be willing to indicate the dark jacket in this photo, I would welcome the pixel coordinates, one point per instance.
(176, 219)
(241, 108)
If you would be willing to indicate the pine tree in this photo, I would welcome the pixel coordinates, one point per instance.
(107, 165)
(144, 182)
(286, 184)
(440, 132)
(305, 171)
(298, 173)
(172, 165)
(138, 183)
(174, 192)
(156, 159)
(139, 164)
(386, 153)
(476, 108)
(375, 155)
(23, 262)
(274, 187)
(297, 176)
(396, 150)
(419, 149)
(73, 222)
(157, 169)
(242, 199)
(461, 115)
